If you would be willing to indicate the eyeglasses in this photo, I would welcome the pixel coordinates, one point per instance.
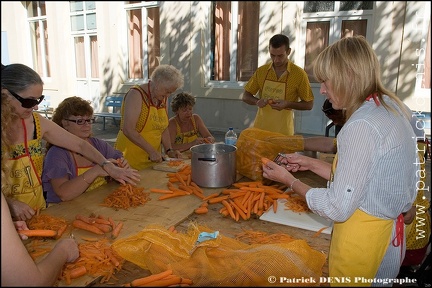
(27, 102)
(82, 121)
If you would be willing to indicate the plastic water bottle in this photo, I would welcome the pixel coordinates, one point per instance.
(231, 137)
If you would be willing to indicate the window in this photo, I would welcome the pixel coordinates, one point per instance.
(143, 38)
(229, 60)
(36, 13)
(84, 31)
(328, 21)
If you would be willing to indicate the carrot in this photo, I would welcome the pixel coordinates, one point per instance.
(104, 227)
(270, 101)
(229, 208)
(85, 218)
(61, 230)
(78, 272)
(201, 210)
(172, 229)
(265, 160)
(164, 282)
(38, 233)
(157, 190)
(151, 278)
(102, 221)
(116, 231)
(275, 204)
(86, 226)
(319, 231)
(214, 195)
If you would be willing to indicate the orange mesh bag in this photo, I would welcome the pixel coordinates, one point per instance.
(221, 261)
(254, 143)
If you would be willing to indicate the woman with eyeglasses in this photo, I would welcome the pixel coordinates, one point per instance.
(67, 174)
(24, 87)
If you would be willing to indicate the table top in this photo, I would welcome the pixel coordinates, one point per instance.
(176, 211)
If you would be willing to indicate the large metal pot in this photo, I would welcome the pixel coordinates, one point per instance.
(213, 165)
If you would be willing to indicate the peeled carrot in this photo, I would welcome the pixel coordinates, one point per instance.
(86, 226)
(201, 210)
(151, 278)
(265, 160)
(164, 282)
(116, 231)
(78, 272)
(104, 227)
(38, 233)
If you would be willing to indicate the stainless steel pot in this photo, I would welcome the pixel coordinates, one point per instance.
(213, 165)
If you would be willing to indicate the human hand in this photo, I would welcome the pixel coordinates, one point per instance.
(295, 162)
(155, 156)
(21, 225)
(409, 215)
(277, 173)
(122, 162)
(261, 103)
(277, 104)
(123, 175)
(70, 247)
(20, 210)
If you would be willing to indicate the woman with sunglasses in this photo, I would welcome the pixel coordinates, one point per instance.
(23, 87)
(67, 174)
(18, 268)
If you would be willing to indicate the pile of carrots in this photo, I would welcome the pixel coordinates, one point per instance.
(180, 184)
(163, 279)
(45, 226)
(247, 199)
(126, 196)
(98, 224)
(96, 259)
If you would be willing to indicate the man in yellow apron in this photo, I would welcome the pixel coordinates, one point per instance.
(281, 87)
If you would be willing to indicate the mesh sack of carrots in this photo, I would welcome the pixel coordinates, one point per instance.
(254, 143)
(222, 261)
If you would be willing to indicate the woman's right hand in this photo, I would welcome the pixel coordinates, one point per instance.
(155, 156)
(70, 247)
(295, 162)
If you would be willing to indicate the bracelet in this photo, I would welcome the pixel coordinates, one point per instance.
(169, 149)
(85, 179)
(292, 183)
(105, 163)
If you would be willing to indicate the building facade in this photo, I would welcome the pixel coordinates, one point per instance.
(94, 49)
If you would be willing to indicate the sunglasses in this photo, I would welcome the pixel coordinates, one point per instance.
(27, 102)
(82, 121)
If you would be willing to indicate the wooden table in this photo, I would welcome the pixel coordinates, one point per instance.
(175, 211)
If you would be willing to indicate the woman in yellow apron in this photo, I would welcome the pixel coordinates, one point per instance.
(186, 128)
(23, 87)
(143, 127)
(67, 174)
(370, 185)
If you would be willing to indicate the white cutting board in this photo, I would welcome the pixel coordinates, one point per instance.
(304, 220)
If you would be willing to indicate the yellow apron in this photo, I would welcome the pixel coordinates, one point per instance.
(25, 164)
(151, 123)
(99, 181)
(186, 137)
(358, 245)
(270, 119)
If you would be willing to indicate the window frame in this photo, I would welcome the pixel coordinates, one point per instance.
(40, 20)
(335, 18)
(143, 6)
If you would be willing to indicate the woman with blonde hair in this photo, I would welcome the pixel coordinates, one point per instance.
(18, 268)
(370, 184)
